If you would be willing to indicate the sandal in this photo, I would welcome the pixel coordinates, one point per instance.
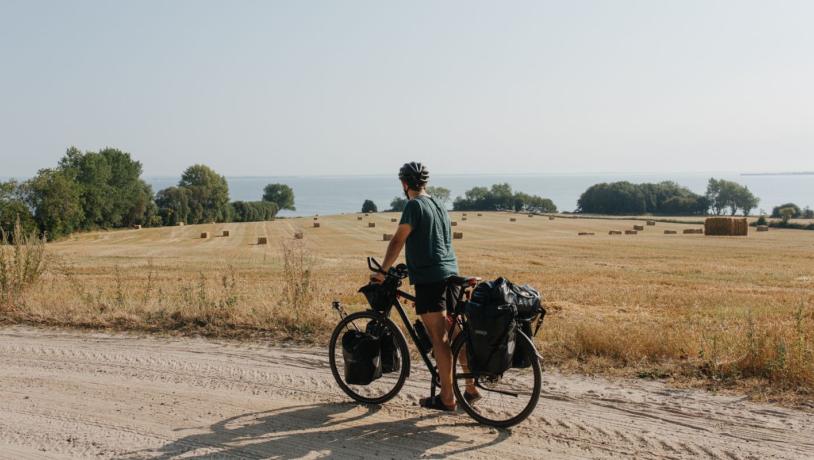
(471, 399)
(435, 403)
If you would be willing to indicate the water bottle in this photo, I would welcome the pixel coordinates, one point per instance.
(424, 342)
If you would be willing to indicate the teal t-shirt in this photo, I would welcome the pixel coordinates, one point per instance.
(430, 257)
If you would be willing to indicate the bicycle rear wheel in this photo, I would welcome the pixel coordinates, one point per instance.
(506, 401)
(389, 384)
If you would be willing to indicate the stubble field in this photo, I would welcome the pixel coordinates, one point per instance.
(724, 312)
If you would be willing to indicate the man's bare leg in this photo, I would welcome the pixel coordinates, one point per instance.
(436, 324)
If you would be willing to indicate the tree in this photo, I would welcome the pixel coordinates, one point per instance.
(808, 213)
(369, 206)
(796, 212)
(398, 204)
(280, 194)
(500, 197)
(110, 187)
(253, 211)
(439, 193)
(786, 214)
(14, 208)
(55, 197)
(208, 195)
(173, 205)
(723, 194)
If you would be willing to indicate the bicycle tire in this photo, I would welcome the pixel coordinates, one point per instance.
(528, 345)
(404, 370)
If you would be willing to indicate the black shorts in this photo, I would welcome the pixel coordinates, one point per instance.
(435, 297)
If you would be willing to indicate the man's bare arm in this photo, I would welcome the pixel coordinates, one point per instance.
(395, 246)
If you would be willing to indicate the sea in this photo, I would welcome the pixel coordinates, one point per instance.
(345, 194)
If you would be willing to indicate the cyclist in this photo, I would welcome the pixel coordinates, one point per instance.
(425, 230)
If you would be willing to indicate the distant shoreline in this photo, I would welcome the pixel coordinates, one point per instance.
(801, 173)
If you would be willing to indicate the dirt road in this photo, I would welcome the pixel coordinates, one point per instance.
(80, 395)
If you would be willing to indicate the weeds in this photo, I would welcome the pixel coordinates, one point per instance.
(22, 262)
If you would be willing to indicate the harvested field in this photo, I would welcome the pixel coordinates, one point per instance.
(721, 312)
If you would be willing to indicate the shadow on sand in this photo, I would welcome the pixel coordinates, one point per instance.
(316, 431)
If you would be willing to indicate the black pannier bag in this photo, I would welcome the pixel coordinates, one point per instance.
(491, 329)
(362, 354)
(387, 344)
(527, 300)
(379, 296)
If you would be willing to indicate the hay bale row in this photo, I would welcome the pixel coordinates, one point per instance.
(726, 226)
(457, 235)
(262, 240)
(651, 222)
(371, 224)
(670, 232)
(614, 232)
(693, 231)
(316, 224)
(631, 232)
(586, 233)
(763, 228)
(387, 237)
(638, 228)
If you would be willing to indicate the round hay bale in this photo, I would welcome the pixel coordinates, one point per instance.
(512, 219)
(371, 224)
(262, 240)
(225, 233)
(631, 232)
(670, 232)
(316, 218)
(453, 223)
(204, 235)
(299, 236)
(531, 215)
(693, 231)
(651, 222)
(358, 217)
(763, 228)
(638, 227)
(387, 237)
(550, 217)
(457, 235)
(480, 215)
(394, 220)
(316, 224)
(615, 232)
(463, 218)
(586, 233)
(464, 214)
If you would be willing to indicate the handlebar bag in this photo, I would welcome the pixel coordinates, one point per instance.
(362, 354)
(387, 345)
(380, 296)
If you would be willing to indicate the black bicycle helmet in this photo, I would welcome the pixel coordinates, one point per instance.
(414, 174)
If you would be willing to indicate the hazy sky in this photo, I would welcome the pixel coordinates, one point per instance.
(358, 87)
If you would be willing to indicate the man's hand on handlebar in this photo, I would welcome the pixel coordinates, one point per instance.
(377, 278)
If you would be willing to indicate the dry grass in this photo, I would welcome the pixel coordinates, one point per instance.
(728, 312)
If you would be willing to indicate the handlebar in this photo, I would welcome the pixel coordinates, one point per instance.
(399, 271)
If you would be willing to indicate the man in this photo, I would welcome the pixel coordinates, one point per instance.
(425, 230)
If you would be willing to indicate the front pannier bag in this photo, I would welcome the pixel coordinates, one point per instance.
(362, 354)
(491, 329)
(379, 296)
(388, 346)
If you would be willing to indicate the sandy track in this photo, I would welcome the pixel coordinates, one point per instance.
(78, 395)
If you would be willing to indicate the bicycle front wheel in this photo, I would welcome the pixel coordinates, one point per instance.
(389, 384)
(506, 401)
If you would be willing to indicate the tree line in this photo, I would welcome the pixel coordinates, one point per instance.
(667, 198)
(498, 197)
(104, 189)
